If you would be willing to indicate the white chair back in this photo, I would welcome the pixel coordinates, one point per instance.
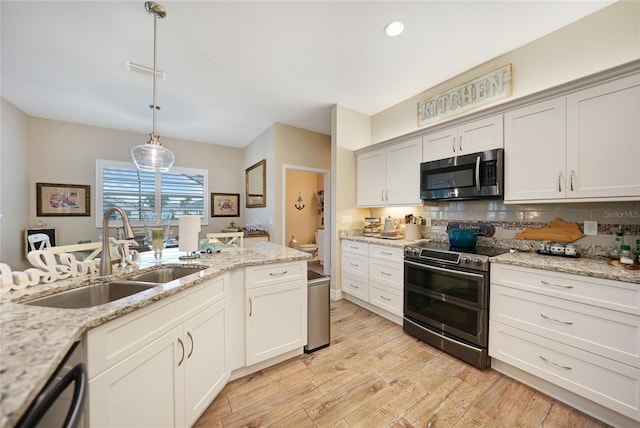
(39, 241)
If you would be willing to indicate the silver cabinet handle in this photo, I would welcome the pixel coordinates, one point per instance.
(384, 273)
(382, 195)
(250, 306)
(555, 285)
(571, 180)
(554, 364)
(353, 285)
(182, 347)
(386, 196)
(385, 253)
(191, 340)
(453, 144)
(385, 298)
(460, 143)
(354, 248)
(559, 182)
(354, 264)
(278, 274)
(556, 320)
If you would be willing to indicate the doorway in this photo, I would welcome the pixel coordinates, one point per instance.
(306, 213)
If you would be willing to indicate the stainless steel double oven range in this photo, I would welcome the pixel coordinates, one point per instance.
(446, 298)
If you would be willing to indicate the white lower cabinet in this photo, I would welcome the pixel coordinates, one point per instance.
(276, 310)
(578, 333)
(162, 365)
(374, 274)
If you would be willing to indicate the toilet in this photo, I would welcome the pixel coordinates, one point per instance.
(309, 248)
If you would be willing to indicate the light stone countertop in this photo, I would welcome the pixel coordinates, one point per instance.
(595, 267)
(34, 340)
(585, 266)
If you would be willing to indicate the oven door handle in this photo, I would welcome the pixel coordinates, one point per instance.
(446, 271)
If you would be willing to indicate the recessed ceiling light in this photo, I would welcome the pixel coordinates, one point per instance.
(143, 69)
(394, 28)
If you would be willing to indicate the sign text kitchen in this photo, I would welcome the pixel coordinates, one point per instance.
(482, 90)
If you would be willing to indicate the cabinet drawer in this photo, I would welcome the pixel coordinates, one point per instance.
(110, 343)
(393, 254)
(616, 295)
(355, 286)
(355, 247)
(605, 332)
(260, 276)
(612, 384)
(355, 264)
(389, 273)
(385, 297)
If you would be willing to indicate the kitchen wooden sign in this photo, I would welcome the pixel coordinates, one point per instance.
(482, 90)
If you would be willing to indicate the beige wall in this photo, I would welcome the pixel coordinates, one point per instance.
(262, 147)
(40, 150)
(14, 185)
(597, 42)
(300, 148)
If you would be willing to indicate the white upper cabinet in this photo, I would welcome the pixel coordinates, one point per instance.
(535, 155)
(472, 137)
(390, 176)
(584, 146)
(603, 140)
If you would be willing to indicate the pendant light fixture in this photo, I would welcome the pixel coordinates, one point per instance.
(152, 156)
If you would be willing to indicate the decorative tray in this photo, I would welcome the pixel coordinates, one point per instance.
(549, 253)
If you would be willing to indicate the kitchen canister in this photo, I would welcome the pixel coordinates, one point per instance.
(412, 232)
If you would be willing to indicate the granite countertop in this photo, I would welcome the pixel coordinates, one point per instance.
(585, 266)
(36, 339)
(595, 267)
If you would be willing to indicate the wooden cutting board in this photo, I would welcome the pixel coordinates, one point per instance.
(557, 231)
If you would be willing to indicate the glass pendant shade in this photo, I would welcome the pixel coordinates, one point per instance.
(152, 157)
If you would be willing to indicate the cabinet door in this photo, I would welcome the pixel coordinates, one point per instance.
(440, 145)
(603, 140)
(481, 135)
(535, 151)
(206, 341)
(403, 173)
(276, 320)
(139, 390)
(370, 183)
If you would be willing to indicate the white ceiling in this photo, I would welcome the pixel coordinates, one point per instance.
(235, 67)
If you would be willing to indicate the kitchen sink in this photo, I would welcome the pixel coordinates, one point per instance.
(91, 295)
(167, 274)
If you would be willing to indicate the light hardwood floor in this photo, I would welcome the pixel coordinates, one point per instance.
(374, 375)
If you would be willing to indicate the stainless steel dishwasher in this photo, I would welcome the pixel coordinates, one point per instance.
(318, 324)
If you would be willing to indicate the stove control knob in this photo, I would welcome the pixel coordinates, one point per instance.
(407, 251)
(466, 260)
(477, 262)
(416, 252)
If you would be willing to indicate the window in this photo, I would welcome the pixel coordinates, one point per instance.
(183, 191)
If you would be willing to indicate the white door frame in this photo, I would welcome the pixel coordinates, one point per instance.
(327, 207)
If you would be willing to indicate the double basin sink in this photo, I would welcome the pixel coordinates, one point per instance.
(109, 291)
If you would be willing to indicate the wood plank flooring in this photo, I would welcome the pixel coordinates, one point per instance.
(374, 375)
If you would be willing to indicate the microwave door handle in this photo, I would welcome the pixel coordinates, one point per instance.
(478, 173)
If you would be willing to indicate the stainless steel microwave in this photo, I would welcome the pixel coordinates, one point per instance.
(473, 176)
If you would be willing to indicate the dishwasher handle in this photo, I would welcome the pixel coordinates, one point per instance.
(78, 375)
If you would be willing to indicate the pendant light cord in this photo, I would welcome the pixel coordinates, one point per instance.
(154, 107)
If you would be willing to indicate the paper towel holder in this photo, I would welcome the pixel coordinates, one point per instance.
(190, 244)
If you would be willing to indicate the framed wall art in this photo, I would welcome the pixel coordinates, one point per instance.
(225, 205)
(61, 200)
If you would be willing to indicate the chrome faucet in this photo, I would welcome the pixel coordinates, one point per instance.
(105, 258)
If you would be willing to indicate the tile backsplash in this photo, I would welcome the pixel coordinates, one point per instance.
(510, 219)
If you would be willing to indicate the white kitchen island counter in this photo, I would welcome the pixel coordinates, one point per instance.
(34, 340)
